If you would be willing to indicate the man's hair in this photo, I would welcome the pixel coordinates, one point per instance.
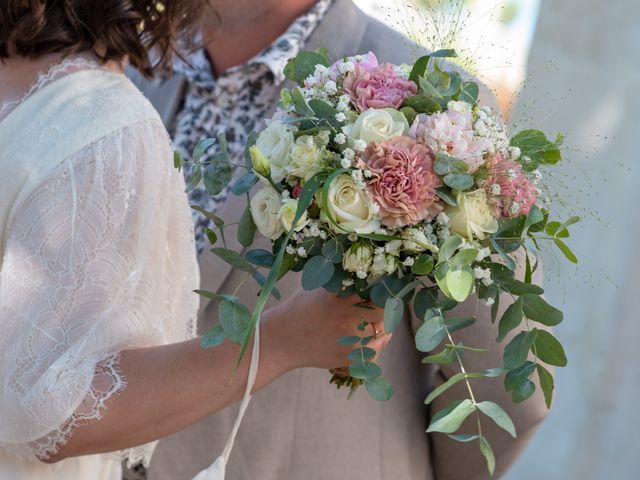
(144, 31)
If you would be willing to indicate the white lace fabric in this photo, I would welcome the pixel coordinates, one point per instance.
(97, 257)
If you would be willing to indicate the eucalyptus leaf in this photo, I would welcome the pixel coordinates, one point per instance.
(517, 351)
(459, 323)
(349, 340)
(517, 376)
(379, 389)
(517, 287)
(450, 422)
(512, 318)
(430, 334)
(498, 415)
(361, 354)
(459, 283)
(447, 196)
(449, 247)
(234, 318)
(523, 391)
(393, 313)
(333, 250)
(420, 104)
(214, 337)
(317, 272)
(445, 357)
(260, 257)
(487, 452)
(244, 184)
(469, 93)
(537, 309)
(200, 148)
(464, 438)
(566, 251)
(423, 264)
(195, 177)
(424, 300)
(365, 370)
(546, 384)
(246, 228)
(436, 392)
(217, 176)
(234, 259)
(303, 65)
(549, 349)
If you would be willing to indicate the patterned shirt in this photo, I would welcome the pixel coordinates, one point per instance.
(235, 103)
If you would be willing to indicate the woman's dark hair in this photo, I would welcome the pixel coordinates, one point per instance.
(145, 31)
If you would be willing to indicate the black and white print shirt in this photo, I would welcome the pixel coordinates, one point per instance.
(236, 103)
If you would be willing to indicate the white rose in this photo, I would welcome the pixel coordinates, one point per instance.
(287, 214)
(377, 125)
(472, 217)
(264, 206)
(416, 241)
(393, 247)
(350, 207)
(459, 106)
(384, 265)
(305, 159)
(275, 142)
(357, 258)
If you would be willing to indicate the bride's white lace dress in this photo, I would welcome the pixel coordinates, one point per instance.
(96, 256)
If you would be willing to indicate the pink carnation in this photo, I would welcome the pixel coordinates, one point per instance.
(510, 192)
(378, 87)
(403, 181)
(451, 132)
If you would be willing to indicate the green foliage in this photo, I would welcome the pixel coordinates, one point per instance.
(447, 196)
(445, 357)
(448, 165)
(459, 181)
(512, 318)
(304, 64)
(234, 259)
(234, 318)
(246, 228)
(498, 415)
(361, 354)
(379, 389)
(516, 352)
(449, 420)
(548, 349)
(213, 338)
(459, 323)
(535, 145)
(419, 104)
(431, 333)
(518, 383)
(459, 283)
(260, 257)
(487, 452)
(537, 309)
(421, 65)
(393, 313)
(546, 384)
(349, 340)
(317, 272)
(333, 250)
(364, 370)
(244, 184)
(423, 264)
(469, 92)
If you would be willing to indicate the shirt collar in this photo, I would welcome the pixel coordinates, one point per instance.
(198, 70)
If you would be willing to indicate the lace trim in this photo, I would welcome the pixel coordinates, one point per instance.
(108, 382)
(54, 72)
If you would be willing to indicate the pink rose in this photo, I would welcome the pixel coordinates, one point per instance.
(451, 132)
(510, 192)
(403, 181)
(378, 87)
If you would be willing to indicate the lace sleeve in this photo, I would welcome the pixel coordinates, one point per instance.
(98, 259)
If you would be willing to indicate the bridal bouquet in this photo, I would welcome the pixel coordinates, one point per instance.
(393, 184)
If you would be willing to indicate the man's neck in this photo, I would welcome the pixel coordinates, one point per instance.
(232, 45)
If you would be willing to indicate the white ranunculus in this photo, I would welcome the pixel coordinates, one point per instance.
(287, 214)
(377, 125)
(264, 206)
(416, 241)
(472, 217)
(459, 106)
(357, 259)
(276, 142)
(305, 158)
(350, 207)
(384, 265)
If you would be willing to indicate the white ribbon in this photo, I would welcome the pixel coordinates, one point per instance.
(217, 469)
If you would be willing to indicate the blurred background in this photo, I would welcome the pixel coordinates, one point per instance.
(569, 66)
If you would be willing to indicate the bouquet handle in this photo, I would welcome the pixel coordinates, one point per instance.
(216, 471)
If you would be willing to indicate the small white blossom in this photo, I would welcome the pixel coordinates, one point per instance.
(302, 252)
(495, 189)
(330, 87)
(358, 178)
(442, 219)
(345, 163)
(514, 153)
(482, 254)
(323, 234)
(341, 117)
(285, 195)
(409, 261)
(361, 274)
(340, 139)
(349, 153)
(479, 273)
(487, 282)
(514, 208)
(360, 145)
(489, 301)
(511, 173)
(325, 136)
(347, 282)
(290, 250)
(367, 173)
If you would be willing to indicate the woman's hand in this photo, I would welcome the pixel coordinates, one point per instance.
(303, 331)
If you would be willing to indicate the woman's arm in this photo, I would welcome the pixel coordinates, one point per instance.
(170, 387)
